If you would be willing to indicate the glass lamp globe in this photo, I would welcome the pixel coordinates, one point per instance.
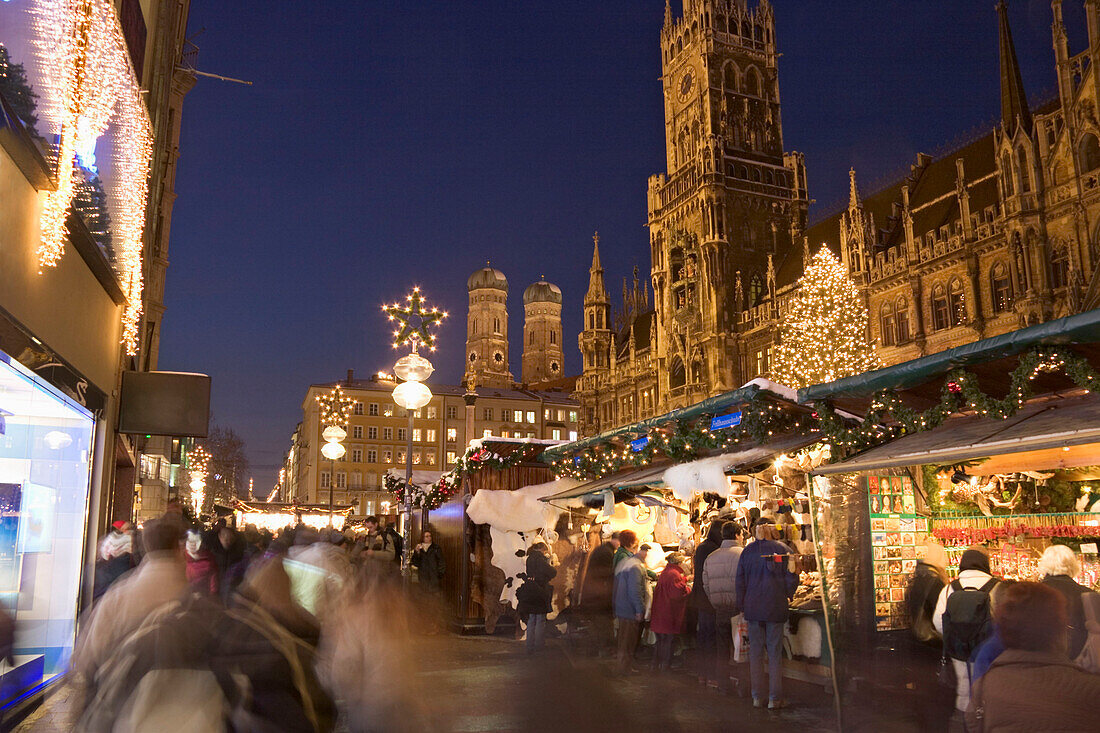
(197, 484)
(334, 434)
(412, 395)
(413, 368)
(332, 451)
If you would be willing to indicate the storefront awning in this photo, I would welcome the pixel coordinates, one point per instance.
(1056, 424)
(627, 479)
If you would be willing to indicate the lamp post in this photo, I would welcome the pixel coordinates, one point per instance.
(335, 409)
(416, 323)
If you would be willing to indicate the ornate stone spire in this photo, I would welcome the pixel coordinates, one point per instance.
(1014, 109)
(597, 293)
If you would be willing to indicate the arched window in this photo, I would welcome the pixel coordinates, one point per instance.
(553, 337)
(1000, 288)
(729, 78)
(1025, 177)
(1059, 266)
(901, 317)
(1006, 174)
(752, 82)
(697, 372)
(591, 320)
(531, 338)
(956, 295)
(756, 290)
(676, 376)
(679, 45)
(1089, 153)
(887, 324)
(768, 178)
(940, 309)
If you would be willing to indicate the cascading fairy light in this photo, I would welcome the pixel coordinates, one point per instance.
(88, 83)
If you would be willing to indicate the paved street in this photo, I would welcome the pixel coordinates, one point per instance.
(476, 683)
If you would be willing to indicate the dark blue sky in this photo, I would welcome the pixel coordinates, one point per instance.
(388, 144)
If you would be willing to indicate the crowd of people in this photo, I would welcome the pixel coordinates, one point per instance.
(726, 586)
(1018, 655)
(215, 628)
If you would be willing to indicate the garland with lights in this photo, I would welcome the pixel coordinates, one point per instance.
(960, 392)
(682, 441)
(446, 486)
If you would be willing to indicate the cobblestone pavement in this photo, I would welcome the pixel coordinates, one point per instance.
(478, 683)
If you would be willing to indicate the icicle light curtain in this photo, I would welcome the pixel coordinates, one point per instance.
(89, 85)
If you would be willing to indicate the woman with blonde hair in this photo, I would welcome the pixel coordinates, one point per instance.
(1057, 568)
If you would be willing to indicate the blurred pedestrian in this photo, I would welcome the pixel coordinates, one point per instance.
(629, 600)
(116, 557)
(719, 580)
(1032, 685)
(764, 587)
(1057, 567)
(427, 558)
(536, 594)
(928, 579)
(705, 618)
(594, 598)
(963, 617)
(202, 567)
(669, 606)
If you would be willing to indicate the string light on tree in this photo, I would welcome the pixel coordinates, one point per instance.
(198, 465)
(415, 322)
(824, 335)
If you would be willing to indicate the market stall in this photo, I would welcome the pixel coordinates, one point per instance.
(274, 516)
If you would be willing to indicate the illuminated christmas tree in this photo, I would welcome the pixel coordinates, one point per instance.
(824, 335)
(16, 90)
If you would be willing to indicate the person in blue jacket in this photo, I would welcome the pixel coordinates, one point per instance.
(764, 588)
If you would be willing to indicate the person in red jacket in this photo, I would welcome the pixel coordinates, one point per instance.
(669, 604)
(202, 568)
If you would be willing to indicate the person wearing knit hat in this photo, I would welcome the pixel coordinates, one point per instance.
(974, 575)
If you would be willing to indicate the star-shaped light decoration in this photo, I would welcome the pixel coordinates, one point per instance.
(415, 322)
(335, 407)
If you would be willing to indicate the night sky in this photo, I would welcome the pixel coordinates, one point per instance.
(401, 143)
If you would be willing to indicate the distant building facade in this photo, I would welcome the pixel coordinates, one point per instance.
(998, 234)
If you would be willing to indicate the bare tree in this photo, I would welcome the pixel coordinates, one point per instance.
(227, 477)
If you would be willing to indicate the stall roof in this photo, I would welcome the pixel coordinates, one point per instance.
(710, 406)
(1054, 422)
(650, 476)
(1081, 330)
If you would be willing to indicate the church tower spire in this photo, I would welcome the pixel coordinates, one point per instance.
(1014, 109)
(595, 340)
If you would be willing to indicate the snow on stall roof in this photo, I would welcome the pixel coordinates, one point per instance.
(519, 510)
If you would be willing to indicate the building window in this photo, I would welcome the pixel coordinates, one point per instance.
(357, 408)
(1025, 178)
(387, 410)
(901, 315)
(452, 412)
(431, 412)
(486, 433)
(941, 318)
(452, 435)
(504, 434)
(356, 455)
(357, 431)
(1006, 174)
(487, 413)
(402, 434)
(887, 324)
(387, 433)
(572, 434)
(1059, 266)
(372, 455)
(401, 456)
(341, 480)
(957, 296)
(572, 416)
(417, 435)
(387, 456)
(546, 414)
(450, 457)
(430, 458)
(372, 433)
(430, 435)
(1000, 288)
(556, 434)
(326, 478)
(416, 458)
(356, 479)
(373, 411)
(1089, 153)
(530, 417)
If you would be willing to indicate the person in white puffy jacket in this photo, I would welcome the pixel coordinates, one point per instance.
(719, 575)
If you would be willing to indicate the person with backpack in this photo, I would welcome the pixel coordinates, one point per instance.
(964, 619)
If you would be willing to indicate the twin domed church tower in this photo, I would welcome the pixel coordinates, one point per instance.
(487, 331)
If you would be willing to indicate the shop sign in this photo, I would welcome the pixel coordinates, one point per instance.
(720, 422)
(639, 444)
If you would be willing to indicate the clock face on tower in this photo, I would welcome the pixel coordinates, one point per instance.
(498, 358)
(686, 83)
(473, 357)
(554, 367)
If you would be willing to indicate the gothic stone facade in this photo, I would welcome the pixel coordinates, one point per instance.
(996, 235)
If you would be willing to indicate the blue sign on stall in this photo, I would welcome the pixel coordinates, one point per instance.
(726, 421)
(639, 444)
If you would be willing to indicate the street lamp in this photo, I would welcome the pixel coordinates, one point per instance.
(335, 409)
(416, 323)
(198, 463)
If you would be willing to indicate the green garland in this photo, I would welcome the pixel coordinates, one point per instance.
(436, 494)
(960, 392)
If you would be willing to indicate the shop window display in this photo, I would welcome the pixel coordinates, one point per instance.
(45, 461)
